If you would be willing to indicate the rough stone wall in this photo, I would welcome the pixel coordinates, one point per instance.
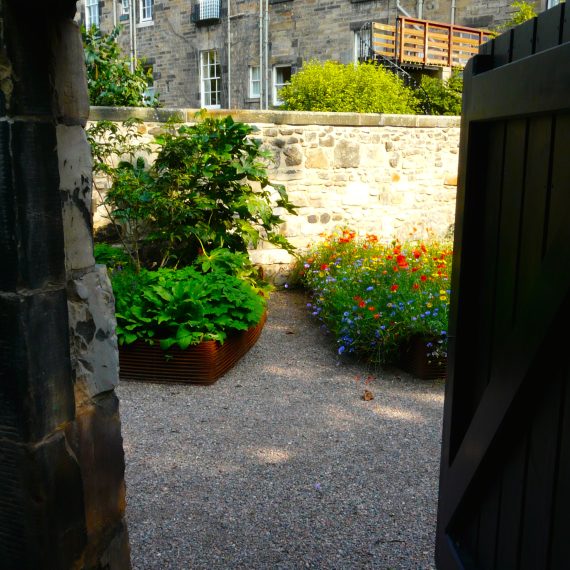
(299, 30)
(62, 493)
(374, 173)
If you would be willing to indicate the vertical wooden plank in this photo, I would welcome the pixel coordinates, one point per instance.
(549, 28)
(488, 525)
(479, 251)
(558, 228)
(543, 447)
(523, 40)
(565, 32)
(512, 197)
(487, 48)
(534, 206)
(502, 49)
(561, 520)
(512, 492)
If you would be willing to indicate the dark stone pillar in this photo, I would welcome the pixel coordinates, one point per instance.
(62, 493)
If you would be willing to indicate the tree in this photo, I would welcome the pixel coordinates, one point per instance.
(522, 11)
(109, 77)
(331, 86)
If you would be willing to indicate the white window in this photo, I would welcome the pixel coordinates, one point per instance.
(210, 79)
(126, 7)
(254, 81)
(91, 13)
(146, 9)
(281, 77)
(552, 3)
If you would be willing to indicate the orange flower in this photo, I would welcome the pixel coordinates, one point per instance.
(416, 286)
(377, 316)
(371, 308)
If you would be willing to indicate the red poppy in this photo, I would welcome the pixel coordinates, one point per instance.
(417, 254)
(416, 286)
(401, 260)
(324, 267)
(423, 278)
(394, 287)
(377, 316)
(362, 304)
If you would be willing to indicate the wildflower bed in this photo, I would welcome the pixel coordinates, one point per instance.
(375, 297)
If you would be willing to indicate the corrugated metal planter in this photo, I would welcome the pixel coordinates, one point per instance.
(203, 363)
(414, 359)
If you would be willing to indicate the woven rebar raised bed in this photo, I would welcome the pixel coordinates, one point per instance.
(203, 363)
(414, 359)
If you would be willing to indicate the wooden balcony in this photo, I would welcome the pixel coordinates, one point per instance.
(423, 43)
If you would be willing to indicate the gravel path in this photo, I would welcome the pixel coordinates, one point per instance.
(281, 464)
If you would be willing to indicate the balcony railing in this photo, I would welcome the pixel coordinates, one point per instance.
(424, 43)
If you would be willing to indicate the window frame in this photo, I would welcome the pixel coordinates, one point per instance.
(90, 4)
(276, 86)
(207, 79)
(253, 81)
(126, 11)
(149, 8)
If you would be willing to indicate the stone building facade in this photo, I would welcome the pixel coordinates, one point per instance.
(206, 53)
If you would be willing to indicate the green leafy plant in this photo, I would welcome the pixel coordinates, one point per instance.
(111, 256)
(207, 188)
(110, 79)
(374, 297)
(522, 11)
(442, 97)
(185, 306)
(334, 87)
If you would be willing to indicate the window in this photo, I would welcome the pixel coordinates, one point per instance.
(361, 44)
(281, 77)
(126, 7)
(254, 81)
(210, 79)
(91, 13)
(150, 95)
(552, 3)
(146, 9)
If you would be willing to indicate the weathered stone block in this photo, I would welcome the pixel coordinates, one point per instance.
(347, 155)
(95, 437)
(75, 167)
(316, 158)
(38, 206)
(72, 98)
(293, 156)
(93, 339)
(36, 390)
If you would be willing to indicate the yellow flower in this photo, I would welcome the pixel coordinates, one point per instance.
(443, 297)
(429, 305)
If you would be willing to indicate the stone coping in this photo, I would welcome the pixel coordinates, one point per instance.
(151, 115)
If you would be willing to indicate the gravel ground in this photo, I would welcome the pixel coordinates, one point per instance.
(281, 463)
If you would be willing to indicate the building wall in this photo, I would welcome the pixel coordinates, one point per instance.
(382, 174)
(299, 30)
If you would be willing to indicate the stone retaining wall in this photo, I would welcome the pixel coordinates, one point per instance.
(391, 175)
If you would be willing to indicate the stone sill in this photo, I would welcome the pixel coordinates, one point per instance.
(162, 115)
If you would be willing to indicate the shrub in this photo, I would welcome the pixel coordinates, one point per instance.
(522, 11)
(186, 306)
(374, 297)
(441, 97)
(334, 87)
(207, 188)
(109, 77)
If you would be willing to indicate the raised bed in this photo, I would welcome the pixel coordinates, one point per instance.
(203, 363)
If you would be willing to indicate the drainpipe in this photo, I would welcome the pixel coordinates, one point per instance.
(420, 9)
(402, 9)
(131, 37)
(134, 17)
(267, 54)
(114, 13)
(229, 59)
(453, 10)
(261, 89)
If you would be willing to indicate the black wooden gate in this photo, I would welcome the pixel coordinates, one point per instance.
(505, 475)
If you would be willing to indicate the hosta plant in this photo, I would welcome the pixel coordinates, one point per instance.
(375, 296)
(217, 295)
